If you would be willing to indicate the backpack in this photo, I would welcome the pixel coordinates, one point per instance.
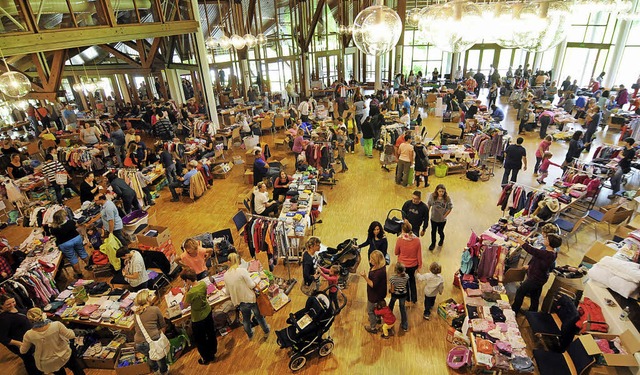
(99, 258)
(473, 175)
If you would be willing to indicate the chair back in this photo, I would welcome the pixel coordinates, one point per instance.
(513, 275)
(578, 224)
(580, 358)
(608, 216)
(235, 134)
(279, 122)
(266, 124)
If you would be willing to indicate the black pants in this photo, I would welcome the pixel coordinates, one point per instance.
(359, 122)
(413, 292)
(333, 299)
(538, 161)
(435, 226)
(29, 363)
(544, 123)
(61, 191)
(277, 192)
(273, 208)
(586, 138)
(138, 288)
(513, 172)
(128, 202)
(351, 146)
(527, 288)
(118, 234)
(428, 305)
(204, 335)
(73, 365)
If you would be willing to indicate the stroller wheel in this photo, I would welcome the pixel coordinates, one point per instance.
(297, 362)
(326, 348)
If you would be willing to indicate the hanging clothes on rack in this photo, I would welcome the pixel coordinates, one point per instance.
(266, 235)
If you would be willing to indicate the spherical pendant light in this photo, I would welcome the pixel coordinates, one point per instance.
(376, 30)
(224, 42)
(211, 43)
(261, 39)
(90, 87)
(14, 84)
(503, 25)
(425, 22)
(237, 41)
(250, 40)
(455, 25)
(77, 87)
(554, 18)
(23, 105)
(413, 16)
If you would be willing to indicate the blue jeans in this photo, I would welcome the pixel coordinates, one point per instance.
(247, 309)
(401, 298)
(616, 180)
(170, 172)
(74, 248)
(159, 365)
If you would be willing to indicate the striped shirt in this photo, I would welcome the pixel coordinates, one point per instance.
(399, 283)
(50, 168)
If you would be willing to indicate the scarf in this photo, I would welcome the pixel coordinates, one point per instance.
(41, 323)
(408, 236)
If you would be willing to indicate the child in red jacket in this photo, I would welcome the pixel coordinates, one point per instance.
(388, 319)
(331, 275)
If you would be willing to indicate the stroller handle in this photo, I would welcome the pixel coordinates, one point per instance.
(344, 298)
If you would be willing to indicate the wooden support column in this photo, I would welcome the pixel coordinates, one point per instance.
(133, 90)
(402, 12)
(163, 87)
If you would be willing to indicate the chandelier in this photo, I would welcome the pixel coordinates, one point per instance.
(376, 30)
(87, 86)
(13, 84)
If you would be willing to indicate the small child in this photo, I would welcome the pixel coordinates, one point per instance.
(388, 319)
(195, 258)
(398, 292)
(543, 170)
(331, 275)
(434, 286)
(95, 238)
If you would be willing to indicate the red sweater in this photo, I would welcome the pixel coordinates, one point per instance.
(409, 251)
(387, 315)
(332, 280)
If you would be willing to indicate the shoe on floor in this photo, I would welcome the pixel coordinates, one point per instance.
(611, 196)
(175, 199)
(385, 336)
(432, 246)
(203, 362)
(371, 330)
(441, 242)
(406, 329)
(426, 317)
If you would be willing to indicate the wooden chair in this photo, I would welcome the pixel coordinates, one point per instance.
(266, 124)
(235, 136)
(596, 217)
(569, 228)
(576, 358)
(279, 122)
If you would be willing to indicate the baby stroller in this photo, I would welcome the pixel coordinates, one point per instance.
(306, 330)
(346, 255)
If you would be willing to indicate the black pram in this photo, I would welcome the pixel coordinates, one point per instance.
(307, 327)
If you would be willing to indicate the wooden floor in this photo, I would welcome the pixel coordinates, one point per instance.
(363, 194)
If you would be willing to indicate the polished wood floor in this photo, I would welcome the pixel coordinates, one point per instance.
(363, 194)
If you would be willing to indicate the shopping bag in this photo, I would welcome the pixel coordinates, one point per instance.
(393, 224)
(61, 178)
(412, 175)
(264, 305)
(441, 170)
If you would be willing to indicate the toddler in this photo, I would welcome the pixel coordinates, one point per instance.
(331, 275)
(434, 286)
(195, 258)
(388, 319)
(543, 170)
(398, 292)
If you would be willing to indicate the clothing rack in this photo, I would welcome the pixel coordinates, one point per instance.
(527, 186)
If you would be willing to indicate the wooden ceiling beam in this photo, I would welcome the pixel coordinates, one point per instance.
(153, 52)
(252, 12)
(52, 40)
(120, 55)
(57, 69)
(314, 23)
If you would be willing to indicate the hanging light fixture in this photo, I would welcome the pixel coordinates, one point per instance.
(413, 16)
(237, 41)
(376, 30)
(13, 84)
(22, 104)
(250, 40)
(553, 18)
(451, 24)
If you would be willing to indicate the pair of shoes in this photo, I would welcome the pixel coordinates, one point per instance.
(370, 156)
(371, 330)
(432, 246)
(426, 317)
(441, 242)
(611, 196)
(385, 336)
(203, 362)
(175, 199)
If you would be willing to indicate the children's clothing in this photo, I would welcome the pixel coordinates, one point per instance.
(543, 170)
(388, 319)
(399, 283)
(434, 286)
(332, 280)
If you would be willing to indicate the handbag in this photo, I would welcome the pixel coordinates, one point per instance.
(310, 289)
(393, 224)
(264, 305)
(159, 348)
(61, 178)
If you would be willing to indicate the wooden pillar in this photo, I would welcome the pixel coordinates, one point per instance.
(133, 90)
(402, 12)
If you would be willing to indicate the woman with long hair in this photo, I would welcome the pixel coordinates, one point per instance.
(421, 163)
(409, 252)
(376, 287)
(204, 331)
(309, 261)
(376, 239)
(440, 207)
(69, 241)
(153, 323)
(52, 352)
(13, 326)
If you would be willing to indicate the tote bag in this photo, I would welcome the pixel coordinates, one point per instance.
(61, 178)
(159, 348)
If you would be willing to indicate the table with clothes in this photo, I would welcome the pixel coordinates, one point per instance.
(515, 197)
(84, 157)
(96, 303)
(297, 212)
(495, 338)
(218, 297)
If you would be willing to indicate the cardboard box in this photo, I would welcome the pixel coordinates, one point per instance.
(597, 251)
(163, 236)
(623, 231)
(442, 311)
(630, 343)
(107, 363)
(127, 351)
(248, 177)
